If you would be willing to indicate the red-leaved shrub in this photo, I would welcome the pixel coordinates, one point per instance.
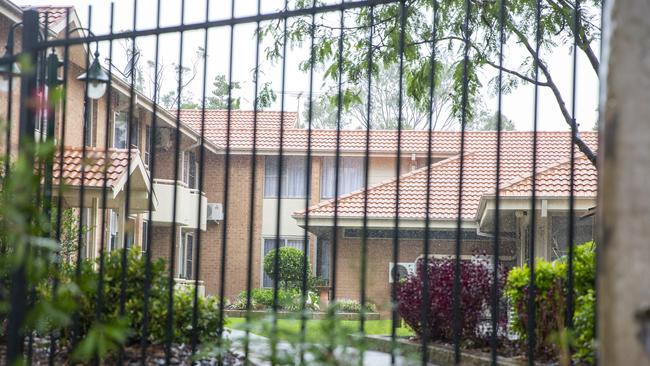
(475, 292)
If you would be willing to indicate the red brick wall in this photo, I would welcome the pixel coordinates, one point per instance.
(380, 254)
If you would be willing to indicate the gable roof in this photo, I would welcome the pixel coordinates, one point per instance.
(94, 166)
(479, 178)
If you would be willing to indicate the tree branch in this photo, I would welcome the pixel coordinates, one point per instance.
(582, 146)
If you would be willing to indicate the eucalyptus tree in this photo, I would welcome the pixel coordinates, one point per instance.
(561, 23)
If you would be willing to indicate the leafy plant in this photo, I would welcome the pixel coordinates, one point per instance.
(550, 303)
(291, 267)
(475, 287)
(288, 300)
(353, 306)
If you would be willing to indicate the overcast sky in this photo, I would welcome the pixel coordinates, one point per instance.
(517, 106)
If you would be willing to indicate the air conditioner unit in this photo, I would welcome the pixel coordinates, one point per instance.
(214, 212)
(402, 270)
(163, 138)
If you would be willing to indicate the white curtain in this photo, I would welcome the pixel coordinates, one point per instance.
(351, 173)
(293, 177)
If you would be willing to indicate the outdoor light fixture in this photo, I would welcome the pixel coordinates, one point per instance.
(10, 69)
(95, 78)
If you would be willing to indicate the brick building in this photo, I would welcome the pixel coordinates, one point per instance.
(253, 204)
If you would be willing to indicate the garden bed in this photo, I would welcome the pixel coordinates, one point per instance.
(316, 315)
(439, 354)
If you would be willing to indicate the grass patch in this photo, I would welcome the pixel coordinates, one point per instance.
(289, 328)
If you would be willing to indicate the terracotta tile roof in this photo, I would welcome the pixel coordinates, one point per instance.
(479, 175)
(555, 181)
(217, 120)
(56, 14)
(295, 139)
(95, 165)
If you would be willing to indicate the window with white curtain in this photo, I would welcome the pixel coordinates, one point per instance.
(351, 173)
(120, 130)
(292, 176)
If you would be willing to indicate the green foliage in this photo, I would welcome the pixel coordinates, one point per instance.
(481, 37)
(550, 300)
(288, 300)
(353, 306)
(291, 263)
(221, 95)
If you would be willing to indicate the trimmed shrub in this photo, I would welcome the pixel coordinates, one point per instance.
(353, 306)
(291, 263)
(86, 300)
(550, 302)
(288, 300)
(475, 283)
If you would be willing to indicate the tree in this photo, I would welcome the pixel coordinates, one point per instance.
(487, 121)
(222, 93)
(473, 41)
(324, 114)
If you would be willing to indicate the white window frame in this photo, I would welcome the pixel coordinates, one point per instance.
(293, 183)
(346, 166)
(116, 117)
(187, 260)
(147, 145)
(90, 109)
(113, 233)
(187, 169)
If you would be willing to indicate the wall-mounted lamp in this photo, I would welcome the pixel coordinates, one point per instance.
(95, 77)
(9, 70)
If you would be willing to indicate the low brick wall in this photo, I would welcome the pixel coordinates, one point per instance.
(292, 315)
(438, 354)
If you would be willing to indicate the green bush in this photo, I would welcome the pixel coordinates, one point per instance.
(353, 306)
(288, 300)
(208, 320)
(550, 302)
(291, 267)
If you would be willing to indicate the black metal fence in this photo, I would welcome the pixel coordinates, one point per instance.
(380, 33)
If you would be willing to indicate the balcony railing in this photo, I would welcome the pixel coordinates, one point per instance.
(187, 201)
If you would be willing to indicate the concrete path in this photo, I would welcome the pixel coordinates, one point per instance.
(259, 351)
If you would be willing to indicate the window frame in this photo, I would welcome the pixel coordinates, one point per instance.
(271, 177)
(116, 117)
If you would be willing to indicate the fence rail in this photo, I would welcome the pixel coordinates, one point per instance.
(449, 226)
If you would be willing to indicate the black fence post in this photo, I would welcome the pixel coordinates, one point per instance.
(27, 126)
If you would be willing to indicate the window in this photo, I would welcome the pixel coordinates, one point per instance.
(87, 231)
(269, 245)
(323, 258)
(190, 167)
(186, 256)
(147, 145)
(145, 235)
(89, 122)
(351, 174)
(293, 177)
(135, 132)
(583, 232)
(120, 130)
(112, 229)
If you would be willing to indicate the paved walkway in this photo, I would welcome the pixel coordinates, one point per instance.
(259, 350)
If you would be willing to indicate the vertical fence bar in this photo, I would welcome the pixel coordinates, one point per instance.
(199, 213)
(572, 164)
(253, 190)
(169, 329)
(496, 250)
(152, 172)
(226, 188)
(398, 172)
(337, 159)
(308, 194)
(28, 88)
(427, 216)
(531, 308)
(59, 199)
(459, 224)
(276, 257)
(366, 178)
